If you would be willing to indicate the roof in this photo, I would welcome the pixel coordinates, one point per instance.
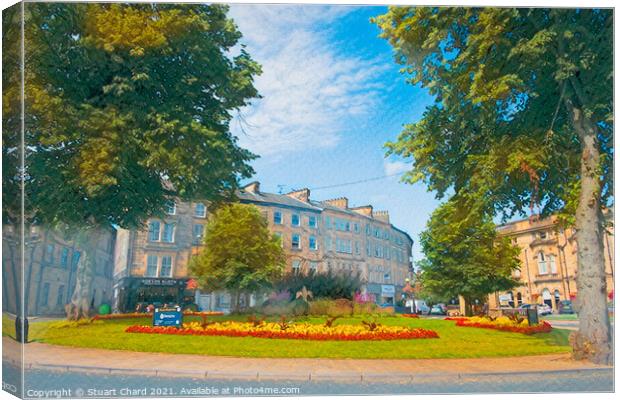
(275, 200)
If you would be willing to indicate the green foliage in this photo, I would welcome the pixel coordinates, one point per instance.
(464, 255)
(128, 105)
(505, 81)
(240, 253)
(332, 285)
(453, 342)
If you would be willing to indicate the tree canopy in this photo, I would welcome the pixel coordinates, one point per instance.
(464, 255)
(240, 253)
(128, 105)
(522, 120)
(499, 126)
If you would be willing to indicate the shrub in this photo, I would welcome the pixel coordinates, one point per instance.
(331, 285)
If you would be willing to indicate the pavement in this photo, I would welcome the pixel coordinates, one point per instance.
(56, 384)
(72, 359)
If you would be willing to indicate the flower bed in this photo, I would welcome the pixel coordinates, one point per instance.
(410, 315)
(503, 324)
(150, 315)
(290, 331)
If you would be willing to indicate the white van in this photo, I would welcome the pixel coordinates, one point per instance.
(421, 307)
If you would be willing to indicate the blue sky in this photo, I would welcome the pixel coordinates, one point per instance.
(332, 96)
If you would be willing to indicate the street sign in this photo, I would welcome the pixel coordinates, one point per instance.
(168, 317)
(387, 290)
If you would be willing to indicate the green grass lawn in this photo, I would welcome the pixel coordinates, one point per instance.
(454, 342)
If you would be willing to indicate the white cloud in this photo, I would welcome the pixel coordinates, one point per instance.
(311, 90)
(395, 167)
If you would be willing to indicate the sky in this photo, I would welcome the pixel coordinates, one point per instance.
(332, 96)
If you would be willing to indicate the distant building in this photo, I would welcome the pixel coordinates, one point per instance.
(548, 262)
(49, 274)
(330, 235)
(151, 264)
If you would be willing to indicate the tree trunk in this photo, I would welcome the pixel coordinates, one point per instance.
(593, 340)
(79, 307)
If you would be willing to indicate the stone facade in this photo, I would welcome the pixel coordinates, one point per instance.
(160, 252)
(334, 236)
(316, 235)
(548, 262)
(49, 271)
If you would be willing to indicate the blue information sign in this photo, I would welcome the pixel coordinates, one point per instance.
(168, 317)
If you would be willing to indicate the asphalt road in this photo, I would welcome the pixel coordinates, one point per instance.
(52, 384)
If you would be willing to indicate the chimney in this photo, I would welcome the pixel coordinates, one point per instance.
(253, 187)
(340, 202)
(363, 210)
(382, 216)
(301, 194)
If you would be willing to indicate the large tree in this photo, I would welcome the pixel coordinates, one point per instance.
(464, 255)
(127, 107)
(240, 255)
(522, 117)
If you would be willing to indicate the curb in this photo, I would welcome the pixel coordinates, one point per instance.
(309, 377)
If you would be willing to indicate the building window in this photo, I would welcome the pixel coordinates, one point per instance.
(295, 219)
(171, 207)
(552, 267)
(357, 247)
(76, 259)
(296, 266)
(542, 235)
(46, 294)
(200, 211)
(386, 277)
(60, 295)
(328, 223)
(154, 228)
(166, 267)
(168, 235)
(343, 246)
(542, 264)
(151, 266)
(368, 249)
(312, 243)
(49, 252)
(314, 266)
(295, 241)
(277, 217)
(367, 230)
(356, 227)
(64, 257)
(312, 221)
(198, 232)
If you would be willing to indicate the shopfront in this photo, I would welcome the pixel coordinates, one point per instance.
(136, 293)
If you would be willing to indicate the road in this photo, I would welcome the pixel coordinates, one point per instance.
(54, 384)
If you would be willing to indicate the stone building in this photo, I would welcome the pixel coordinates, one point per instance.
(330, 235)
(151, 264)
(548, 262)
(49, 270)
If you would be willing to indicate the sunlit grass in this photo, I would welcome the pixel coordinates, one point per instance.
(454, 342)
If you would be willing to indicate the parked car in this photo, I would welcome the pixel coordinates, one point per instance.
(544, 309)
(566, 307)
(421, 307)
(437, 309)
